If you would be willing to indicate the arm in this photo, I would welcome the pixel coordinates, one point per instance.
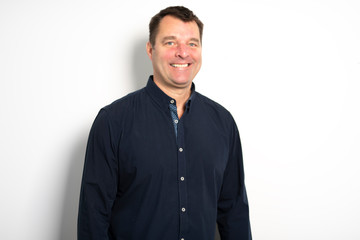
(233, 211)
(99, 182)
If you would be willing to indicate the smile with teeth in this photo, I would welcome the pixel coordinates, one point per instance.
(180, 65)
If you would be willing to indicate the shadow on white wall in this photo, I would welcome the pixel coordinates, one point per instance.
(141, 64)
(141, 69)
(72, 190)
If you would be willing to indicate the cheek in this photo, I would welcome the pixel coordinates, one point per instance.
(168, 54)
(199, 58)
(163, 58)
(196, 55)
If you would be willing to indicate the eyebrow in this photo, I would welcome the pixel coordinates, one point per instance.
(195, 40)
(168, 38)
(174, 38)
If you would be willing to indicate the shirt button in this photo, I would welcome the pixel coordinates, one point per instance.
(172, 101)
(183, 209)
(176, 121)
(182, 178)
(180, 149)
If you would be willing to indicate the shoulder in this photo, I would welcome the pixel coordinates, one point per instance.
(212, 106)
(113, 117)
(214, 111)
(125, 102)
(119, 110)
(121, 107)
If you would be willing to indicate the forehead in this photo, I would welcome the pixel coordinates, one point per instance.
(171, 26)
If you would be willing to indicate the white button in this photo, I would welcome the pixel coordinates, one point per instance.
(180, 149)
(182, 178)
(172, 101)
(183, 209)
(182, 239)
(176, 121)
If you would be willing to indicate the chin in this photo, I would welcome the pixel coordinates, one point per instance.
(182, 82)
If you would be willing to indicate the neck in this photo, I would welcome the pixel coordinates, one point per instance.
(181, 95)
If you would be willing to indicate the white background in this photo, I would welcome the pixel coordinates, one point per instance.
(288, 71)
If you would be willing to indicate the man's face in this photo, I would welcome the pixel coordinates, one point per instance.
(176, 56)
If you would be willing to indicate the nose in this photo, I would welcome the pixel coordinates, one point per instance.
(182, 51)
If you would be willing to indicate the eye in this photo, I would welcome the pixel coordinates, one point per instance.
(192, 44)
(170, 43)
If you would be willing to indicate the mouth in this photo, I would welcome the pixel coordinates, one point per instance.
(177, 65)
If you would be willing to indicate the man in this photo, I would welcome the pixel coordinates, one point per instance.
(165, 162)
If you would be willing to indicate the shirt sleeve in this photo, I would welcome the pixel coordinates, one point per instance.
(233, 210)
(99, 182)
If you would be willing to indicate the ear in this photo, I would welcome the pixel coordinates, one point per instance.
(149, 50)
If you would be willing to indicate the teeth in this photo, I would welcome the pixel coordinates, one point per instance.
(180, 65)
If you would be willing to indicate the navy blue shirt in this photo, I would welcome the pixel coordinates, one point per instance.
(141, 181)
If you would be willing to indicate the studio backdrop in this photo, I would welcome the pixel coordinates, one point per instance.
(288, 71)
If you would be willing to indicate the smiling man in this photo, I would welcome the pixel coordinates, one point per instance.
(165, 162)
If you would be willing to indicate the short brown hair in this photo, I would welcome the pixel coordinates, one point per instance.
(180, 12)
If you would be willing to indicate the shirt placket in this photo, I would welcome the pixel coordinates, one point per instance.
(183, 206)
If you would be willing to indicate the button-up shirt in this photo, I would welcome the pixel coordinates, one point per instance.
(142, 181)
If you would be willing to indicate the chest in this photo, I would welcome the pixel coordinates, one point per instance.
(150, 151)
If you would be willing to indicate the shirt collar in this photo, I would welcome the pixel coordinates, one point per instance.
(164, 100)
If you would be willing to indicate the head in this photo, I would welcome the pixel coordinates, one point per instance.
(174, 47)
(179, 12)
